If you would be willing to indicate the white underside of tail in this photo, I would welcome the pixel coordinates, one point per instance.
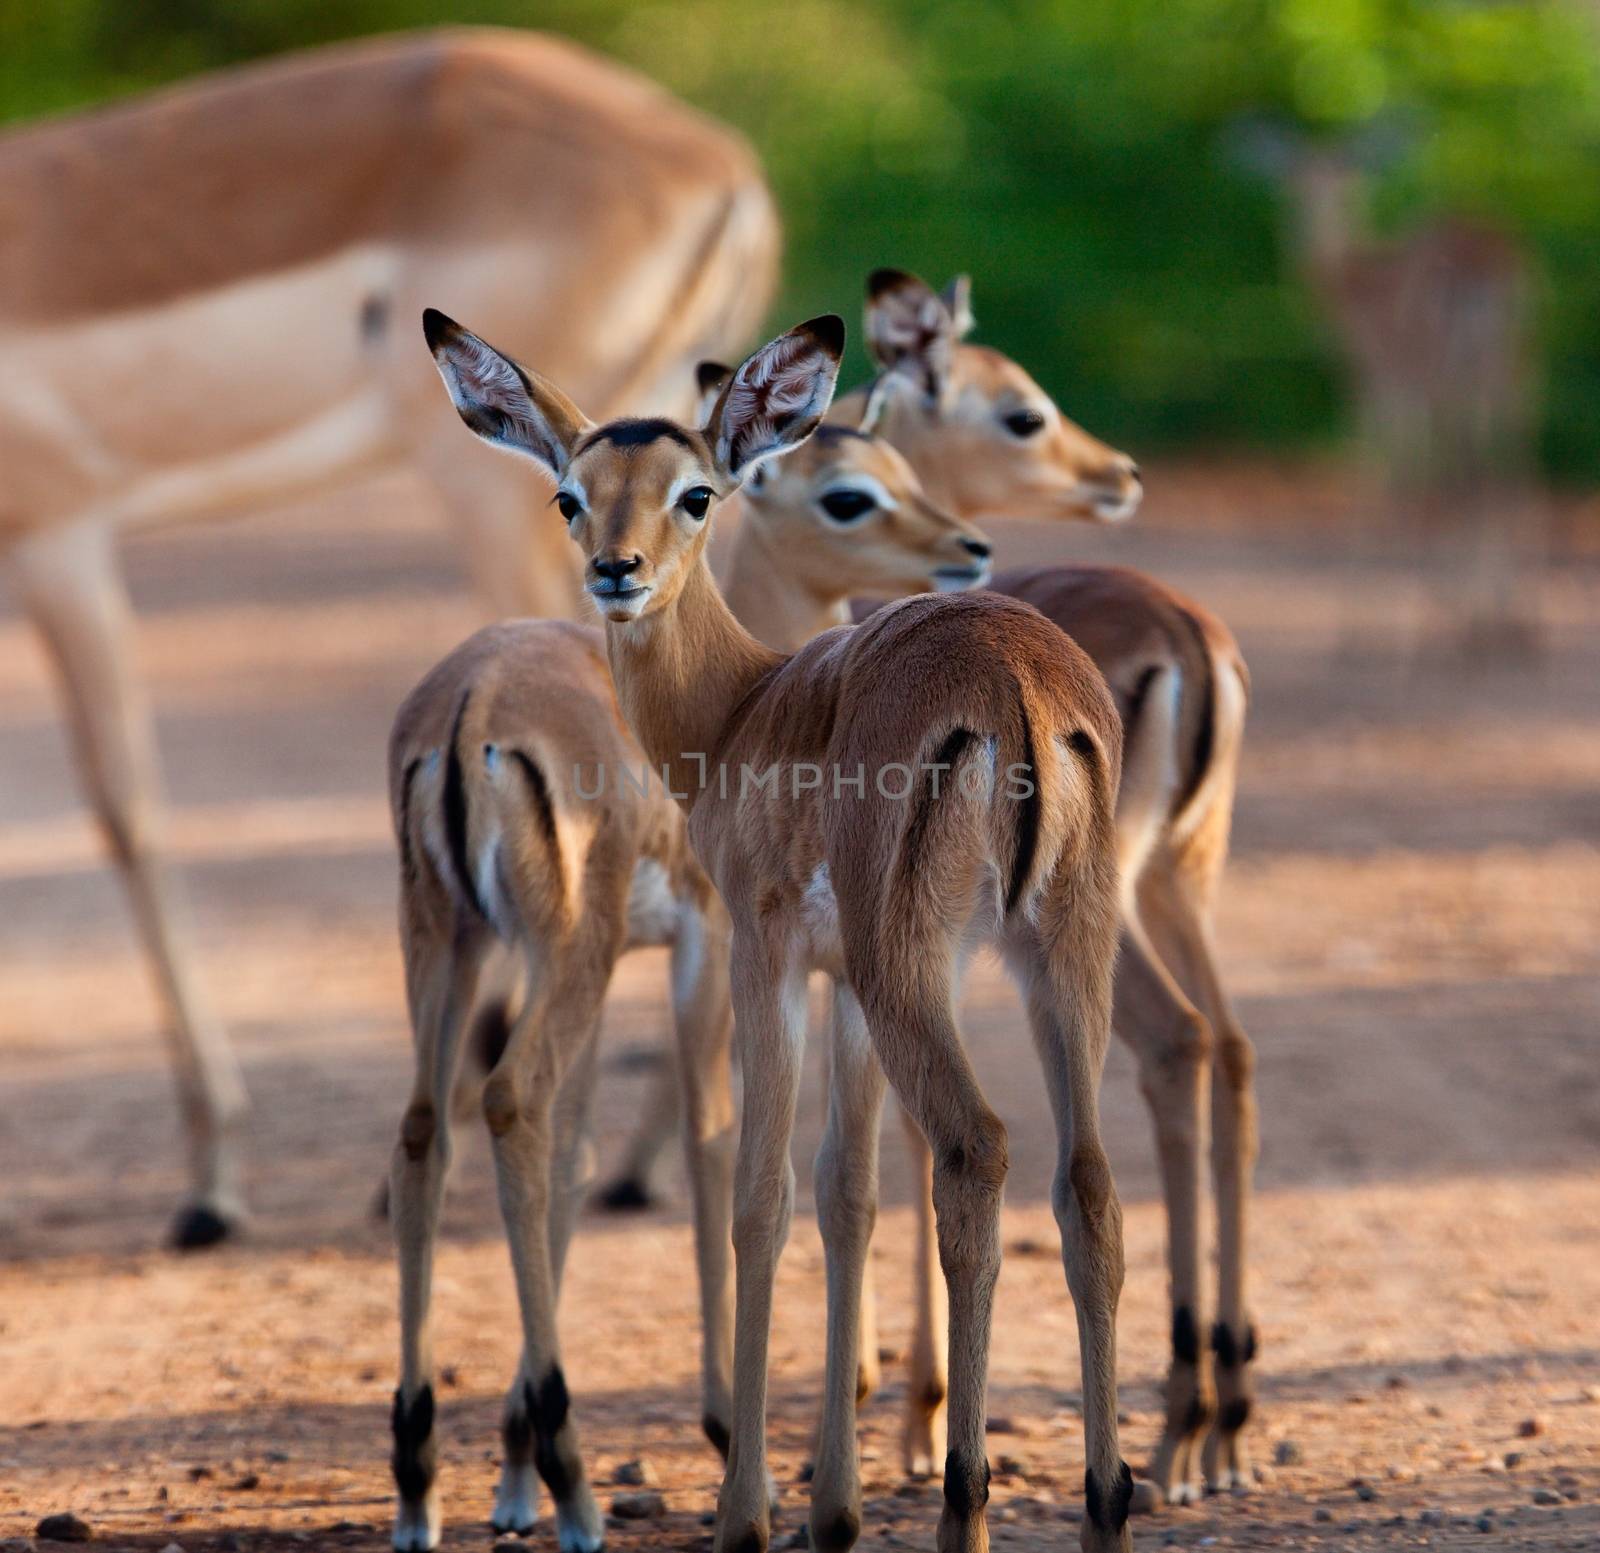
(1150, 774)
(1228, 716)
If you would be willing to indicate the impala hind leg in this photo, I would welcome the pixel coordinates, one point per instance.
(1171, 1041)
(702, 1011)
(769, 999)
(1171, 905)
(1066, 981)
(847, 1198)
(928, 1386)
(550, 1041)
(915, 1037)
(69, 583)
(441, 977)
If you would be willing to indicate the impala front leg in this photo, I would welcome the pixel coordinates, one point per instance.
(71, 587)
(847, 1198)
(769, 998)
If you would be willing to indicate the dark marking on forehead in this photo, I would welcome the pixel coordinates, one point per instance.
(633, 433)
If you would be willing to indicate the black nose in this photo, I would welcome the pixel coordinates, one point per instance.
(978, 548)
(615, 571)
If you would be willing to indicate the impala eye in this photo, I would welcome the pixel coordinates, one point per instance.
(1024, 423)
(847, 506)
(697, 500)
(569, 504)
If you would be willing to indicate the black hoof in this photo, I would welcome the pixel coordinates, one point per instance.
(625, 1196)
(198, 1227)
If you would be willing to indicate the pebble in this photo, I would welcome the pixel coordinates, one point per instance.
(639, 1473)
(1365, 1492)
(1547, 1496)
(1001, 1425)
(639, 1507)
(1590, 1393)
(1433, 1518)
(1287, 1453)
(1485, 1523)
(1008, 1466)
(1531, 1427)
(1322, 1514)
(1512, 1459)
(244, 1484)
(65, 1527)
(1493, 1464)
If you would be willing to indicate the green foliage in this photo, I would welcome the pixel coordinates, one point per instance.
(1071, 154)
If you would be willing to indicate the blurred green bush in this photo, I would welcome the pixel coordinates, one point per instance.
(1069, 153)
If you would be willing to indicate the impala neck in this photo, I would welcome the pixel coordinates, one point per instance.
(767, 595)
(681, 673)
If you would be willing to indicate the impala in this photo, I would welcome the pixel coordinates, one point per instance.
(527, 821)
(187, 243)
(987, 752)
(985, 438)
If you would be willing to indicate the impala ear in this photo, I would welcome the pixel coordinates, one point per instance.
(957, 299)
(911, 330)
(879, 393)
(503, 403)
(710, 377)
(777, 398)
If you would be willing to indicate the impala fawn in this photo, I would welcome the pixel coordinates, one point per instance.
(528, 822)
(885, 891)
(985, 439)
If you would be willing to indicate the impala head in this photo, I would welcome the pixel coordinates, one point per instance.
(986, 438)
(847, 515)
(636, 494)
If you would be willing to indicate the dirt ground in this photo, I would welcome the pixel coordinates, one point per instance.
(1410, 926)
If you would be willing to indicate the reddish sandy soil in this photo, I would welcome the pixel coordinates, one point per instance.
(1410, 927)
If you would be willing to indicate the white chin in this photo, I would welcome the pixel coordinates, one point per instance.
(620, 611)
(961, 584)
(1116, 512)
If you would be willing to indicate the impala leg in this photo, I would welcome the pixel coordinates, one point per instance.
(769, 999)
(519, 556)
(1179, 928)
(915, 1036)
(1068, 995)
(548, 1042)
(630, 1189)
(1172, 1043)
(702, 1011)
(924, 1435)
(847, 1198)
(71, 587)
(440, 977)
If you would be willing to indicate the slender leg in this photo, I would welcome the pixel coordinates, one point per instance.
(769, 999)
(518, 1102)
(1172, 1043)
(630, 1188)
(440, 980)
(1066, 984)
(924, 1436)
(914, 1034)
(847, 1197)
(71, 587)
(703, 1016)
(1179, 928)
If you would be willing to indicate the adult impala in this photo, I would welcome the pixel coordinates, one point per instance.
(187, 246)
(1002, 830)
(527, 823)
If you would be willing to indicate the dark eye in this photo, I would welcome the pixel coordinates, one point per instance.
(847, 506)
(569, 504)
(1024, 423)
(697, 501)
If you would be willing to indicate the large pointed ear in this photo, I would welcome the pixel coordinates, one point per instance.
(910, 330)
(503, 403)
(710, 378)
(957, 299)
(778, 396)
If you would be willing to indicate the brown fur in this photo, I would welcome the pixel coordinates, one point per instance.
(1180, 686)
(807, 882)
